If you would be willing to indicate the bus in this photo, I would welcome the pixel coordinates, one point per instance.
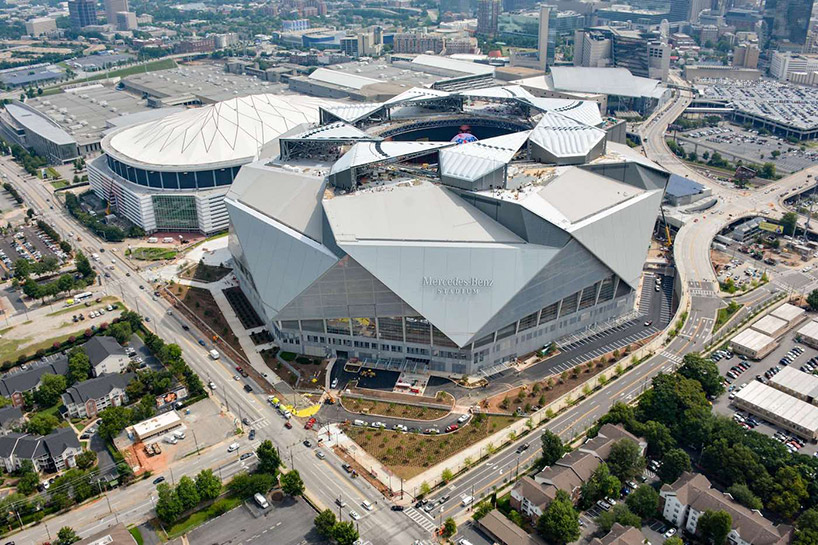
(83, 295)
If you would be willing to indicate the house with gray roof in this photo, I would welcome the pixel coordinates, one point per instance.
(106, 355)
(18, 381)
(10, 418)
(53, 452)
(86, 399)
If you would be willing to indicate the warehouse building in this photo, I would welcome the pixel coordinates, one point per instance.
(771, 326)
(808, 334)
(790, 313)
(796, 383)
(753, 344)
(23, 125)
(784, 410)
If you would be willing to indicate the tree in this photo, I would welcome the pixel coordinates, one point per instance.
(65, 282)
(122, 332)
(168, 506)
(601, 485)
(67, 536)
(674, 540)
(42, 424)
(552, 448)
(703, 370)
(28, 482)
(767, 171)
(22, 268)
(624, 460)
(559, 523)
(268, 458)
(79, 366)
(449, 527)
(644, 501)
(187, 493)
(86, 459)
(619, 513)
(245, 485)
(446, 475)
(482, 509)
(788, 222)
(806, 528)
(742, 494)
(714, 526)
(325, 523)
(345, 533)
(425, 488)
(812, 300)
(291, 483)
(208, 485)
(675, 462)
(112, 421)
(659, 438)
(50, 390)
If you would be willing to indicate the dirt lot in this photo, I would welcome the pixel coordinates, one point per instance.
(413, 412)
(408, 454)
(201, 303)
(539, 394)
(313, 370)
(205, 273)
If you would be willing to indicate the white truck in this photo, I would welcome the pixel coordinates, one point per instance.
(152, 240)
(95, 256)
(167, 240)
(261, 500)
(214, 355)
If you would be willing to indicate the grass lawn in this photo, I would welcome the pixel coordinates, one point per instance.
(79, 307)
(287, 356)
(409, 454)
(59, 184)
(392, 409)
(10, 348)
(198, 518)
(724, 314)
(137, 535)
(206, 273)
(153, 254)
(202, 304)
(53, 411)
(161, 64)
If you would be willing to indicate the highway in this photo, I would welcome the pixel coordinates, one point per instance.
(324, 479)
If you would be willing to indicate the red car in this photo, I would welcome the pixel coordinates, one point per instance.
(309, 424)
(288, 425)
(453, 427)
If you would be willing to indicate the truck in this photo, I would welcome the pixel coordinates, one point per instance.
(152, 240)
(167, 240)
(95, 256)
(214, 355)
(261, 501)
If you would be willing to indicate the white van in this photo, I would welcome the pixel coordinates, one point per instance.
(466, 501)
(167, 240)
(359, 423)
(152, 240)
(261, 501)
(179, 434)
(214, 355)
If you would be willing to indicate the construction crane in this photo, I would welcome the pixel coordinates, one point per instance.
(669, 242)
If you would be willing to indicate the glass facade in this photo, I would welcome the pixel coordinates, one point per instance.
(175, 212)
(204, 179)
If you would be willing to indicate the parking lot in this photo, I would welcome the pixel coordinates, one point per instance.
(724, 404)
(27, 243)
(747, 145)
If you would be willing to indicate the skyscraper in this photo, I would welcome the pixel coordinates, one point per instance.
(82, 13)
(112, 7)
(487, 12)
(786, 21)
(542, 36)
(687, 10)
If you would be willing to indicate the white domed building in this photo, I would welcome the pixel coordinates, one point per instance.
(172, 174)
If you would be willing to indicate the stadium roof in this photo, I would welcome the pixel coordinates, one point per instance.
(365, 153)
(785, 406)
(417, 94)
(352, 112)
(227, 133)
(453, 65)
(564, 137)
(608, 81)
(333, 131)
(39, 124)
(475, 159)
(679, 186)
(584, 111)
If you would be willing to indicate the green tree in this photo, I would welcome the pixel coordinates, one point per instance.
(65, 283)
(86, 459)
(50, 389)
(703, 370)
(187, 493)
(714, 526)
(446, 475)
(22, 268)
(325, 522)
(624, 460)
(806, 528)
(425, 488)
(245, 485)
(42, 424)
(208, 485)
(122, 332)
(674, 540)
(482, 509)
(552, 448)
(344, 533)
(601, 485)
(66, 536)
(644, 501)
(168, 505)
(742, 494)
(79, 366)
(291, 483)
(112, 421)
(788, 221)
(619, 513)
(559, 523)
(449, 527)
(268, 458)
(675, 462)
(812, 300)
(28, 483)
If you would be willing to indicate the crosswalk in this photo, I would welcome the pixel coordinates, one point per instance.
(699, 292)
(675, 358)
(421, 519)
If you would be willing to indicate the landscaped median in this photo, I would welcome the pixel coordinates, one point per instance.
(391, 409)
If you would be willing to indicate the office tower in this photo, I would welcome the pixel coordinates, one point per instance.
(786, 22)
(487, 12)
(112, 7)
(82, 13)
(687, 10)
(745, 56)
(542, 37)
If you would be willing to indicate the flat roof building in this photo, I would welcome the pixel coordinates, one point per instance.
(157, 425)
(23, 125)
(808, 334)
(796, 383)
(779, 408)
(682, 191)
(788, 312)
(771, 326)
(753, 344)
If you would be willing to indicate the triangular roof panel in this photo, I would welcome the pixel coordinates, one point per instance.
(364, 153)
(416, 94)
(583, 111)
(333, 131)
(476, 159)
(352, 113)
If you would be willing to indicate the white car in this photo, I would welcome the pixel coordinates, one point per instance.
(462, 418)
(367, 505)
(354, 516)
(670, 533)
(233, 447)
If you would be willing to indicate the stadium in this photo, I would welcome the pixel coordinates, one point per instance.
(171, 174)
(448, 232)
